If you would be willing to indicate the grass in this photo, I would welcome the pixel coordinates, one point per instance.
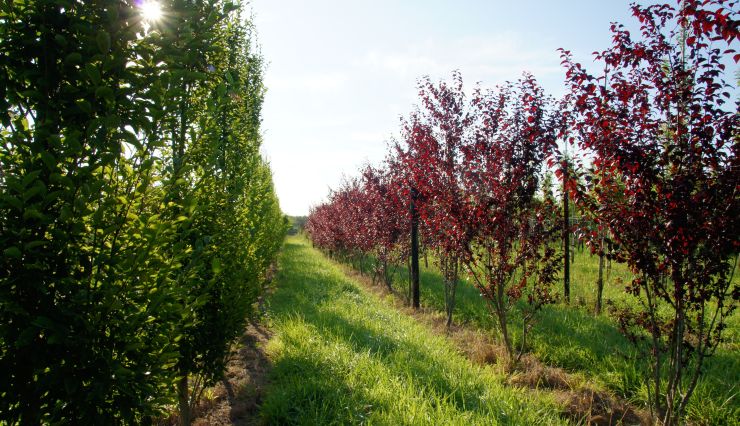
(341, 355)
(573, 338)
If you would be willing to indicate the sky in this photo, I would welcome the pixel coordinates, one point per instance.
(341, 73)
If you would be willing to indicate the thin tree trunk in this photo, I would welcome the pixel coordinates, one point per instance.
(450, 289)
(525, 328)
(655, 334)
(386, 276)
(600, 281)
(501, 313)
(451, 303)
(183, 401)
(414, 252)
(676, 366)
(566, 246)
(408, 270)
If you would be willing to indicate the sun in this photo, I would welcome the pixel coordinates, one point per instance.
(151, 10)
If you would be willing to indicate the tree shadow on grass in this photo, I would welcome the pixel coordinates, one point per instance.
(567, 337)
(309, 388)
(578, 341)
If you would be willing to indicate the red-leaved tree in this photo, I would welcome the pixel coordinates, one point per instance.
(659, 126)
(433, 138)
(386, 225)
(513, 254)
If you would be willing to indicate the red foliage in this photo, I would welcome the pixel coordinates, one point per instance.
(659, 142)
(432, 160)
(512, 254)
(664, 138)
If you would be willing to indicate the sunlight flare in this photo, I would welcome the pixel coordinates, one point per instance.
(151, 11)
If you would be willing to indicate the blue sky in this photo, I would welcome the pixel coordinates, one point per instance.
(341, 73)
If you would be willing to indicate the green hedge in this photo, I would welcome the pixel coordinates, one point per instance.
(137, 217)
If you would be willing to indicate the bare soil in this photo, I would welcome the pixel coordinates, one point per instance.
(235, 400)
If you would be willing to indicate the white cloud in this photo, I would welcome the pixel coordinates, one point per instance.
(490, 59)
(403, 64)
(312, 82)
(373, 137)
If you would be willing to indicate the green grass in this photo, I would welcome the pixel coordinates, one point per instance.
(342, 356)
(573, 338)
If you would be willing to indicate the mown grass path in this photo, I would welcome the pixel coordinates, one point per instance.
(341, 356)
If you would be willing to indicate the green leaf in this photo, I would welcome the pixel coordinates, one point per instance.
(13, 201)
(60, 40)
(123, 372)
(134, 346)
(30, 177)
(32, 192)
(33, 244)
(104, 92)
(230, 7)
(132, 139)
(84, 105)
(26, 337)
(44, 322)
(196, 75)
(65, 213)
(216, 265)
(112, 121)
(32, 213)
(73, 58)
(73, 143)
(221, 90)
(201, 300)
(49, 160)
(93, 72)
(103, 40)
(12, 251)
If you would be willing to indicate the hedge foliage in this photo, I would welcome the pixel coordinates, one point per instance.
(137, 217)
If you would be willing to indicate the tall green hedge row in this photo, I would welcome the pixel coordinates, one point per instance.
(137, 217)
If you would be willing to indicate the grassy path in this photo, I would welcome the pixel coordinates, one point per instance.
(341, 356)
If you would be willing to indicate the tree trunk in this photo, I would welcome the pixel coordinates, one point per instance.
(451, 302)
(600, 281)
(408, 270)
(450, 288)
(414, 252)
(566, 246)
(501, 314)
(505, 334)
(386, 276)
(183, 401)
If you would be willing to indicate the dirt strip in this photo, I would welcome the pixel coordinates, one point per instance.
(235, 400)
